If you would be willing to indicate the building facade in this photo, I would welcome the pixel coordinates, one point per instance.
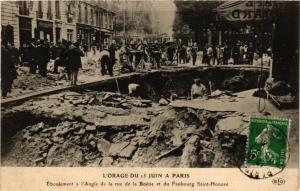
(84, 21)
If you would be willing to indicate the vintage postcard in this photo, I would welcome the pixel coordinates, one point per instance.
(149, 95)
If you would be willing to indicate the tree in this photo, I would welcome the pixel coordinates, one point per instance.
(196, 15)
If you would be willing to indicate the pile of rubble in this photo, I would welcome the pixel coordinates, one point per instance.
(109, 99)
(110, 129)
(166, 138)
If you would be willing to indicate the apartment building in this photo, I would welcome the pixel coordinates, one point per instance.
(84, 21)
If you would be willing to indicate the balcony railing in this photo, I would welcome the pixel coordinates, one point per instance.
(23, 11)
(69, 17)
(39, 14)
(57, 16)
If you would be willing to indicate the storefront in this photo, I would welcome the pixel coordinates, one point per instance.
(84, 34)
(106, 36)
(7, 33)
(96, 38)
(247, 22)
(44, 30)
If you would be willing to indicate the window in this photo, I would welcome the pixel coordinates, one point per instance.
(23, 8)
(79, 13)
(92, 16)
(69, 15)
(105, 20)
(86, 14)
(70, 35)
(40, 6)
(49, 12)
(57, 10)
(97, 18)
(40, 10)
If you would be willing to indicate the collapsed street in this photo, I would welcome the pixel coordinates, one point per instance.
(99, 126)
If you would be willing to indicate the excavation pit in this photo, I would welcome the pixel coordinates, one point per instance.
(98, 126)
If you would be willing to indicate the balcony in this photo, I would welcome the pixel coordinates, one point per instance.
(23, 11)
(70, 17)
(39, 14)
(57, 16)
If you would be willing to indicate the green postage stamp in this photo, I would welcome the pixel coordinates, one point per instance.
(268, 142)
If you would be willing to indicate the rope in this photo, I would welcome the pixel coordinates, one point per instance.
(261, 107)
(117, 85)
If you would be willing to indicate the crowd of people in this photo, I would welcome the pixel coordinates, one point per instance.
(224, 54)
(131, 56)
(138, 54)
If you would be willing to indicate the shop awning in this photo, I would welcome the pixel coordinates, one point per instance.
(95, 28)
(105, 31)
(245, 10)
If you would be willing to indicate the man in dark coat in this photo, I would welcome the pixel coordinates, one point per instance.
(250, 54)
(42, 57)
(235, 54)
(8, 70)
(32, 48)
(85, 49)
(226, 54)
(170, 52)
(60, 50)
(156, 53)
(15, 54)
(74, 55)
(194, 51)
(112, 54)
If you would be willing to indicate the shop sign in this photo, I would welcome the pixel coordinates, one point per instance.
(44, 24)
(246, 10)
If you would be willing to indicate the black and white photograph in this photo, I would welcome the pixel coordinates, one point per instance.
(151, 84)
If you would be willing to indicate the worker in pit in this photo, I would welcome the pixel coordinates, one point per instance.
(198, 90)
(134, 90)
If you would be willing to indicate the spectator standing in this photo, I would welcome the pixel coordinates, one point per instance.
(226, 56)
(32, 56)
(75, 61)
(8, 70)
(220, 54)
(23, 53)
(250, 53)
(104, 60)
(112, 56)
(156, 53)
(194, 51)
(85, 49)
(241, 54)
(170, 53)
(61, 48)
(182, 54)
(210, 54)
(43, 57)
(15, 54)
(215, 55)
(205, 56)
(235, 54)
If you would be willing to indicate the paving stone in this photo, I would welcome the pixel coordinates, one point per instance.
(116, 148)
(103, 147)
(90, 128)
(107, 161)
(66, 154)
(128, 151)
(163, 102)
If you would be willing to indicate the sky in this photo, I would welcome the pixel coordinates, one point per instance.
(165, 12)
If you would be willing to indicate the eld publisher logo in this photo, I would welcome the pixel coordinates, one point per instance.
(278, 181)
